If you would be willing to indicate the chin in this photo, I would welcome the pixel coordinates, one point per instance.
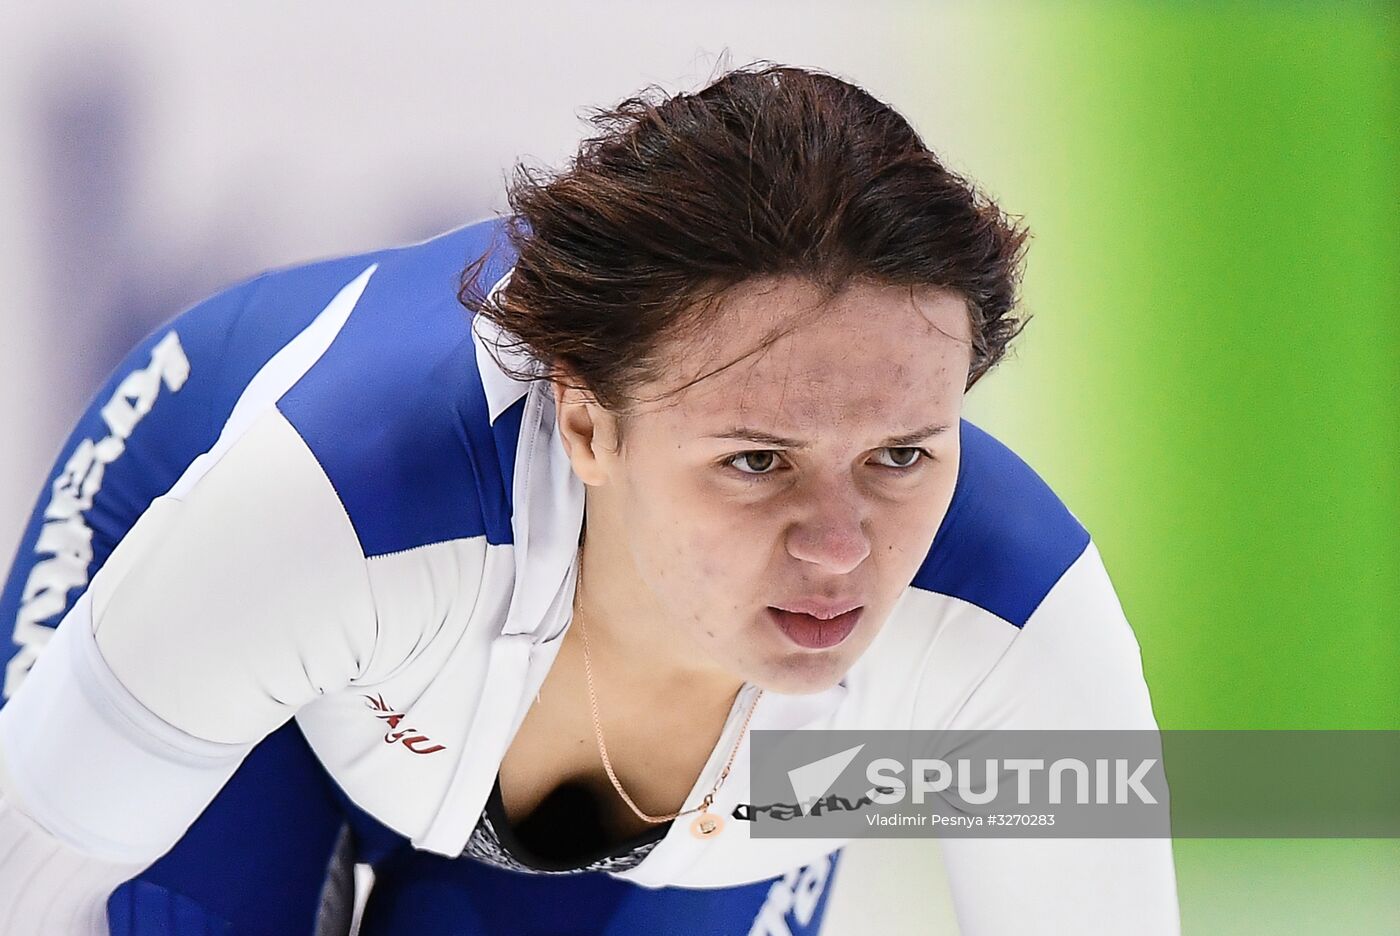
(801, 676)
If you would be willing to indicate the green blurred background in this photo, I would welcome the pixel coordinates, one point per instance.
(1212, 376)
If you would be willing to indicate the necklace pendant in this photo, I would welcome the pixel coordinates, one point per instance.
(707, 825)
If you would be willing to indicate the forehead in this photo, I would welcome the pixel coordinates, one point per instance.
(872, 354)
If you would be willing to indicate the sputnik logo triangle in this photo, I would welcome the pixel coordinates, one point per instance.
(811, 781)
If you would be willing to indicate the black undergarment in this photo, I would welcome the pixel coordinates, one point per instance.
(565, 832)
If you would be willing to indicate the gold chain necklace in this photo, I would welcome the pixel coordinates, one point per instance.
(707, 824)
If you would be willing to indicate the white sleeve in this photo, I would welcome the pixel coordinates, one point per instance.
(233, 601)
(1075, 665)
(49, 887)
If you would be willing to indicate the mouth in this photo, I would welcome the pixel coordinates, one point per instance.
(814, 633)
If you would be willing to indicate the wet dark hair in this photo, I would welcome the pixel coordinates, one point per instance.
(768, 171)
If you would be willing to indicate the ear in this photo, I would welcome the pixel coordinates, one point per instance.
(588, 431)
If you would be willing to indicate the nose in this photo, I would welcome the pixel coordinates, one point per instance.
(832, 534)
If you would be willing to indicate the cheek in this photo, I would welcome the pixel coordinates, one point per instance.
(692, 549)
(905, 528)
(671, 530)
(911, 531)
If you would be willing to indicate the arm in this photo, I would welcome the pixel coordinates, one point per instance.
(234, 600)
(1075, 665)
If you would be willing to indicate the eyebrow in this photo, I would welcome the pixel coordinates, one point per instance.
(745, 434)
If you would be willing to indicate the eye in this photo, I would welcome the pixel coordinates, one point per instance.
(760, 461)
(765, 462)
(911, 457)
